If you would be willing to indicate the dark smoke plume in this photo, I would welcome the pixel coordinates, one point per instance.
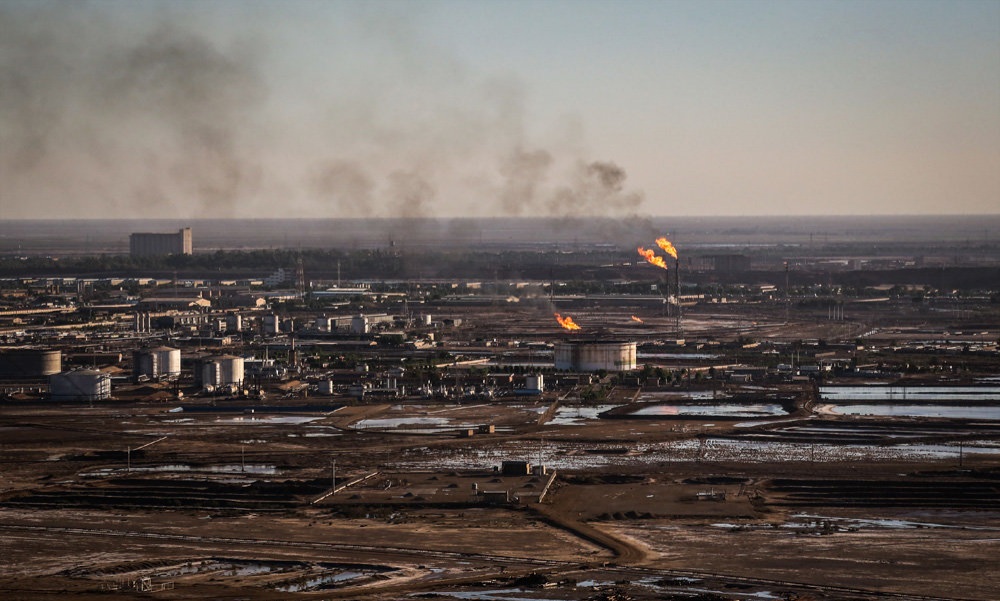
(523, 172)
(348, 186)
(598, 188)
(410, 195)
(110, 111)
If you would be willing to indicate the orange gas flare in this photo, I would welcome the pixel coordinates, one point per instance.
(651, 257)
(634, 318)
(567, 322)
(667, 247)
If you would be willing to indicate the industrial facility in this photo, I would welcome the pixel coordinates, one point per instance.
(595, 355)
(572, 410)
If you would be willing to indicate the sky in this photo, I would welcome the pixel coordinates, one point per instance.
(474, 108)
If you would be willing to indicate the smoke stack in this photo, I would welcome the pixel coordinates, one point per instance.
(677, 294)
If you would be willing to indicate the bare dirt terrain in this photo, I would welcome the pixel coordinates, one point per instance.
(233, 506)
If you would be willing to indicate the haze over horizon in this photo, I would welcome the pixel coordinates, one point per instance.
(448, 108)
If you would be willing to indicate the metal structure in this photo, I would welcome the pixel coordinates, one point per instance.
(270, 324)
(224, 370)
(359, 324)
(595, 355)
(234, 322)
(80, 385)
(157, 363)
(29, 363)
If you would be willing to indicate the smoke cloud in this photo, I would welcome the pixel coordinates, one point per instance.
(347, 186)
(524, 172)
(165, 113)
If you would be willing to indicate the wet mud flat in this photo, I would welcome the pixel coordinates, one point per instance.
(170, 493)
(966, 489)
(870, 431)
(673, 507)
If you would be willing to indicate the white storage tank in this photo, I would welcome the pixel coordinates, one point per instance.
(232, 370)
(157, 363)
(270, 324)
(595, 355)
(222, 371)
(80, 385)
(323, 323)
(169, 361)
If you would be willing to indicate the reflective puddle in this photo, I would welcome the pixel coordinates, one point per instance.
(713, 410)
(914, 410)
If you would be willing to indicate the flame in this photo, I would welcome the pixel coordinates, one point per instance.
(667, 247)
(651, 257)
(634, 318)
(567, 322)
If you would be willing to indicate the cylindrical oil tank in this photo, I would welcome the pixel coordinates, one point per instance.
(144, 365)
(29, 363)
(222, 371)
(168, 361)
(595, 355)
(232, 370)
(80, 385)
(211, 375)
(157, 363)
(270, 324)
(359, 324)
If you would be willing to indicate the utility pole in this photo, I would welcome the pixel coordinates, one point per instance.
(787, 298)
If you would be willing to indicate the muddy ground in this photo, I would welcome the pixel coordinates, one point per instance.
(129, 500)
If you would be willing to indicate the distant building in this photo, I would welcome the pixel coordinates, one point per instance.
(515, 468)
(145, 244)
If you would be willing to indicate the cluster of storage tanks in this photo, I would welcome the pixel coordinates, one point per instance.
(228, 372)
(74, 385)
(152, 364)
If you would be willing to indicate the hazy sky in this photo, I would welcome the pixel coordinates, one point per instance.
(327, 108)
